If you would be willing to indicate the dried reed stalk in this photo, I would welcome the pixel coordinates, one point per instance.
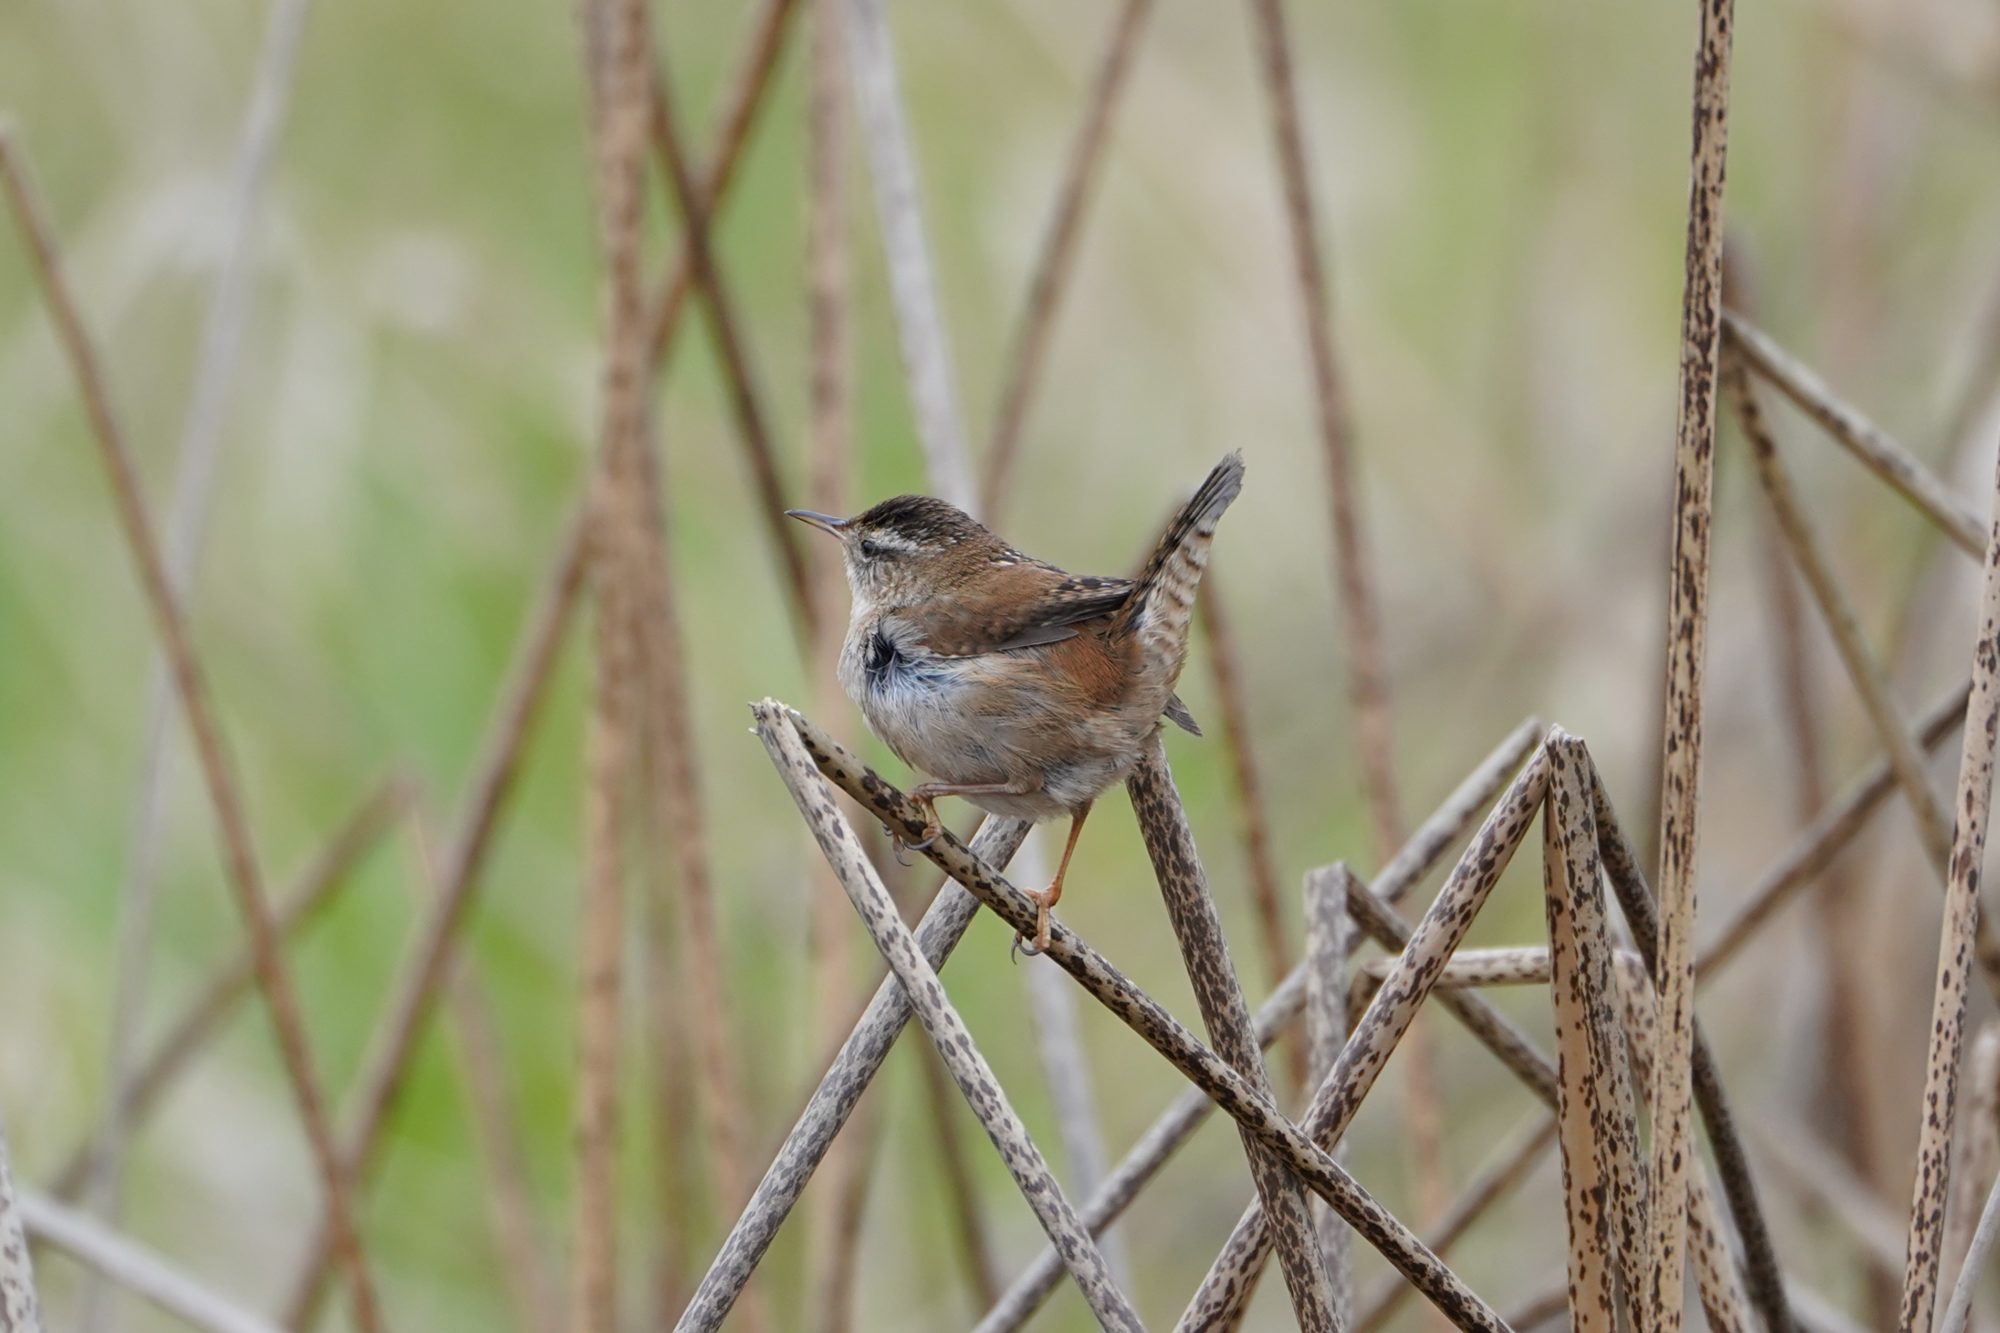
(132, 1267)
(834, 1100)
(1869, 678)
(968, 1222)
(414, 997)
(197, 465)
(305, 898)
(913, 289)
(1603, 1193)
(1056, 257)
(1642, 914)
(1339, 1095)
(1874, 447)
(1329, 939)
(732, 351)
(1825, 838)
(1687, 620)
(1978, 1153)
(1438, 834)
(1145, 1016)
(1225, 1013)
(1955, 952)
(1506, 1169)
(940, 1021)
(749, 88)
(19, 1310)
(239, 855)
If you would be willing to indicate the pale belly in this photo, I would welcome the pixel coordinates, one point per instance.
(950, 720)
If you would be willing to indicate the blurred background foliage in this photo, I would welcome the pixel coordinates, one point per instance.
(1504, 190)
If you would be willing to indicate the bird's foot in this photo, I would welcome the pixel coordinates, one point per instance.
(1040, 944)
(932, 828)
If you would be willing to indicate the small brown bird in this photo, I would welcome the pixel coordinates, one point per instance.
(1020, 687)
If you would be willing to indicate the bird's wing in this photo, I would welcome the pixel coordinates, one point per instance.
(1033, 605)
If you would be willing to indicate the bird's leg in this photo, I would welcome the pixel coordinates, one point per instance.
(1048, 897)
(925, 795)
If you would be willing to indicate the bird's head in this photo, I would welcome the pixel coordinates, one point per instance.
(908, 549)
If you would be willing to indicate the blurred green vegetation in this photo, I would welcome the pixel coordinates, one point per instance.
(1504, 191)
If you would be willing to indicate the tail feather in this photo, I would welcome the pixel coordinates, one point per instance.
(1161, 608)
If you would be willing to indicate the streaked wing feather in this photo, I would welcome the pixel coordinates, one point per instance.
(973, 624)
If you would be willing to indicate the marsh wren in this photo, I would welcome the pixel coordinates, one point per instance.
(1025, 689)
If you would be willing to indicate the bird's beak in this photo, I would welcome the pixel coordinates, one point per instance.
(824, 522)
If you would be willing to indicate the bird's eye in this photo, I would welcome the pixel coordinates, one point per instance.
(870, 549)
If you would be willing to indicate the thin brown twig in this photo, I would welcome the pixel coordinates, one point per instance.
(1687, 618)
(244, 876)
(1056, 258)
(1955, 951)
(1198, 928)
(303, 902)
(968, 1223)
(421, 982)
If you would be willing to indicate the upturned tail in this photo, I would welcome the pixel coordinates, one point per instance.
(1161, 607)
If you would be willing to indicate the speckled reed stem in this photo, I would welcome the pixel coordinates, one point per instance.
(1145, 1016)
(1879, 451)
(1602, 1192)
(833, 1101)
(19, 1311)
(1438, 834)
(1329, 939)
(1339, 1096)
(1211, 971)
(940, 1021)
(1956, 944)
(1739, 1187)
(1978, 1153)
(1823, 839)
(1687, 636)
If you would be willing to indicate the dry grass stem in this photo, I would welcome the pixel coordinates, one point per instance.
(1367, 1051)
(1444, 829)
(132, 1267)
(1329, 939)
(940, 1020)
(187, 520)
(913, 289)
(244, 876)
(1205, 953)
(302, 903)
(421, 982)
(748, 90)
(1869, 443)
(1056, 257)
(1955, 952)
(1687, 635)
(834, 1100)
(1146, 1017)
(1983, 1238)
